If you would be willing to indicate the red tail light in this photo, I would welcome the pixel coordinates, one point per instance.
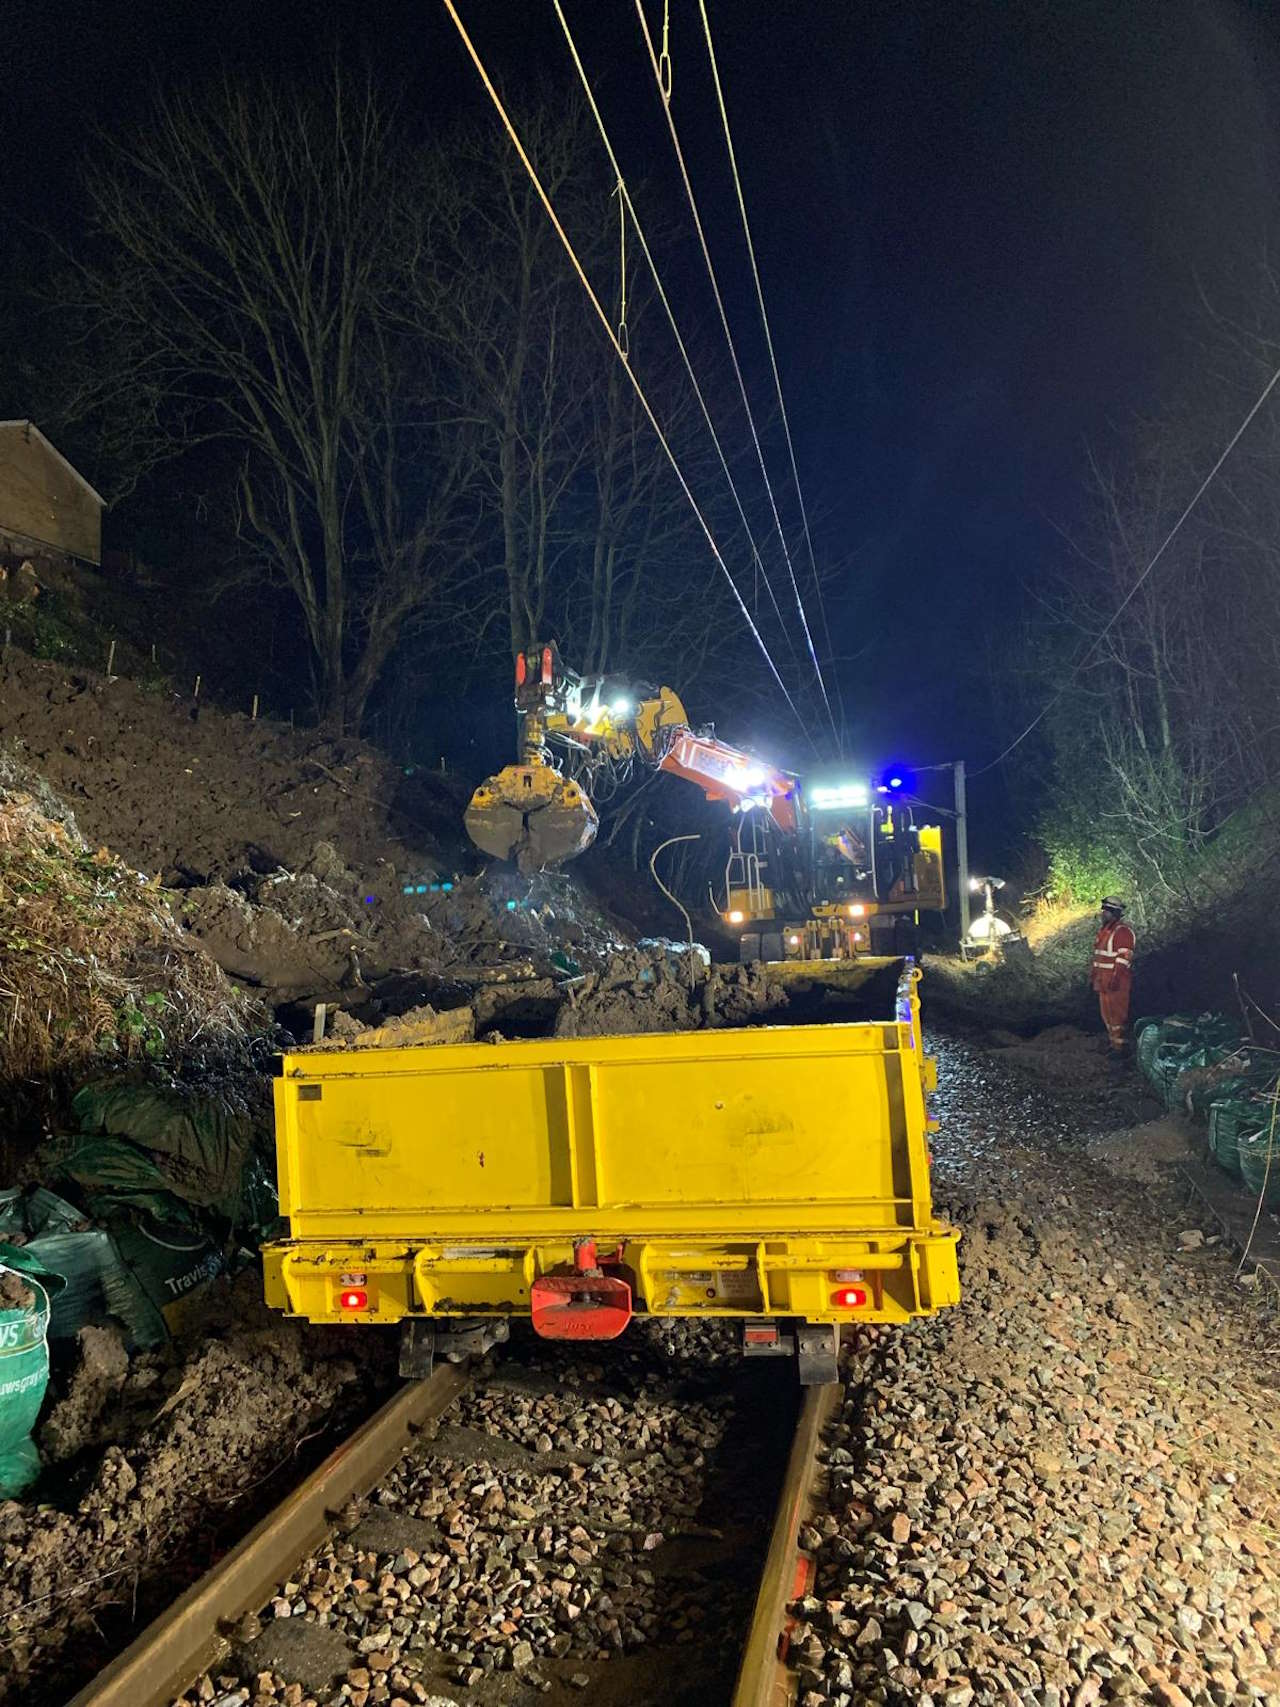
(849, 1298)
(546, 666)
(354, 1298)
(522, 669)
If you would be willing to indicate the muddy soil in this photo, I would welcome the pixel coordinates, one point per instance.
(288, 853)
(100, 1370)
(1151, 1150)
(163, 1467)
(1067, 1056)
(188, 793)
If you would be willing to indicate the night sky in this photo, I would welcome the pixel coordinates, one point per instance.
(981, 227)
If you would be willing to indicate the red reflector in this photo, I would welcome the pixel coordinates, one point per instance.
(849, 1297)
(354, 1298)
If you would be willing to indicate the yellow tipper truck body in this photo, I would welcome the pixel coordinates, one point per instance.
(777, 1173)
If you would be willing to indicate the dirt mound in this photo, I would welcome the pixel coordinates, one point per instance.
(1149, 1152)
(1061, 1055)
(98, 1375)
(189, 792)
(241, 1398)
(94, 963)
(641, 990)
(262, 946)
(310, 869)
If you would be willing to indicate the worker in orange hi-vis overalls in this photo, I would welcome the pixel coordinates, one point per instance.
(1111, 970)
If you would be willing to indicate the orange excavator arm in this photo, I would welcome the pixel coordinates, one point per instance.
(724, 773)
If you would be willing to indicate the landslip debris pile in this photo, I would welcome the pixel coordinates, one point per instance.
(162, 1453)
(1065, 1491)
(653, 986)
(190, 794)
(92, 962)
(321, 932)
(308, 867)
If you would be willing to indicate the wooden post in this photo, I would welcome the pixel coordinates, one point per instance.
(962, 846)
(317, 1025)
(111, 659)
(196, 693)
(253, 716)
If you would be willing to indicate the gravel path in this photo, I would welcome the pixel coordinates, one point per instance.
(1067, 1491)
(582, 1525)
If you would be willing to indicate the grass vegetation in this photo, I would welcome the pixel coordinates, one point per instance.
(92, 964)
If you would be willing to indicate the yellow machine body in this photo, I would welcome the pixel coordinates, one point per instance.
(778, 1171)
(836, 930)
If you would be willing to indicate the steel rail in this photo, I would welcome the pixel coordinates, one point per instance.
(764, 1680)
(185, 1640)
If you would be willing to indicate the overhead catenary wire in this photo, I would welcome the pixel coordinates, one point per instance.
(733, 353)
(624, 195)
(1127, 600)
(773, 361)
(603, 318)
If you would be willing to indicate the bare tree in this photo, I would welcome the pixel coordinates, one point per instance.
(1165, 725)
(595, 541)
(256, 249)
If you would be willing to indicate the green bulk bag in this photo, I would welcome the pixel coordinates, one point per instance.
(1147, 1042)
(204, 1141)
(168, 1263)
(1178, 1028)
(1230, 1119)
(24, 1376)
(1230, 1087)
(1253, 1150)
(1171, 1032)
(1171, 1060)
(1219, 1029)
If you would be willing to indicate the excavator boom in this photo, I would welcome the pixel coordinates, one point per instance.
(724, 773)
(534, 814)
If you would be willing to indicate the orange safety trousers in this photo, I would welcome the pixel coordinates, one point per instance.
(1114, 1007)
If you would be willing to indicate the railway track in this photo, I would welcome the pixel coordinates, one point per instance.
(538, 1530)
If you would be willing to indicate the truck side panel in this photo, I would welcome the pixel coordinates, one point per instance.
(810, 1124)
(773, 1171)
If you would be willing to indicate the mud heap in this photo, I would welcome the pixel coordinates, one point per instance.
(652, 986)
(659, 988)
(309, 868)
(95, 964)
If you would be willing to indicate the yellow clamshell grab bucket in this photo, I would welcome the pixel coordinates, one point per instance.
(531, 814)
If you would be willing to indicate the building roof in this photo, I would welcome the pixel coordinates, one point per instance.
(29, 430)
